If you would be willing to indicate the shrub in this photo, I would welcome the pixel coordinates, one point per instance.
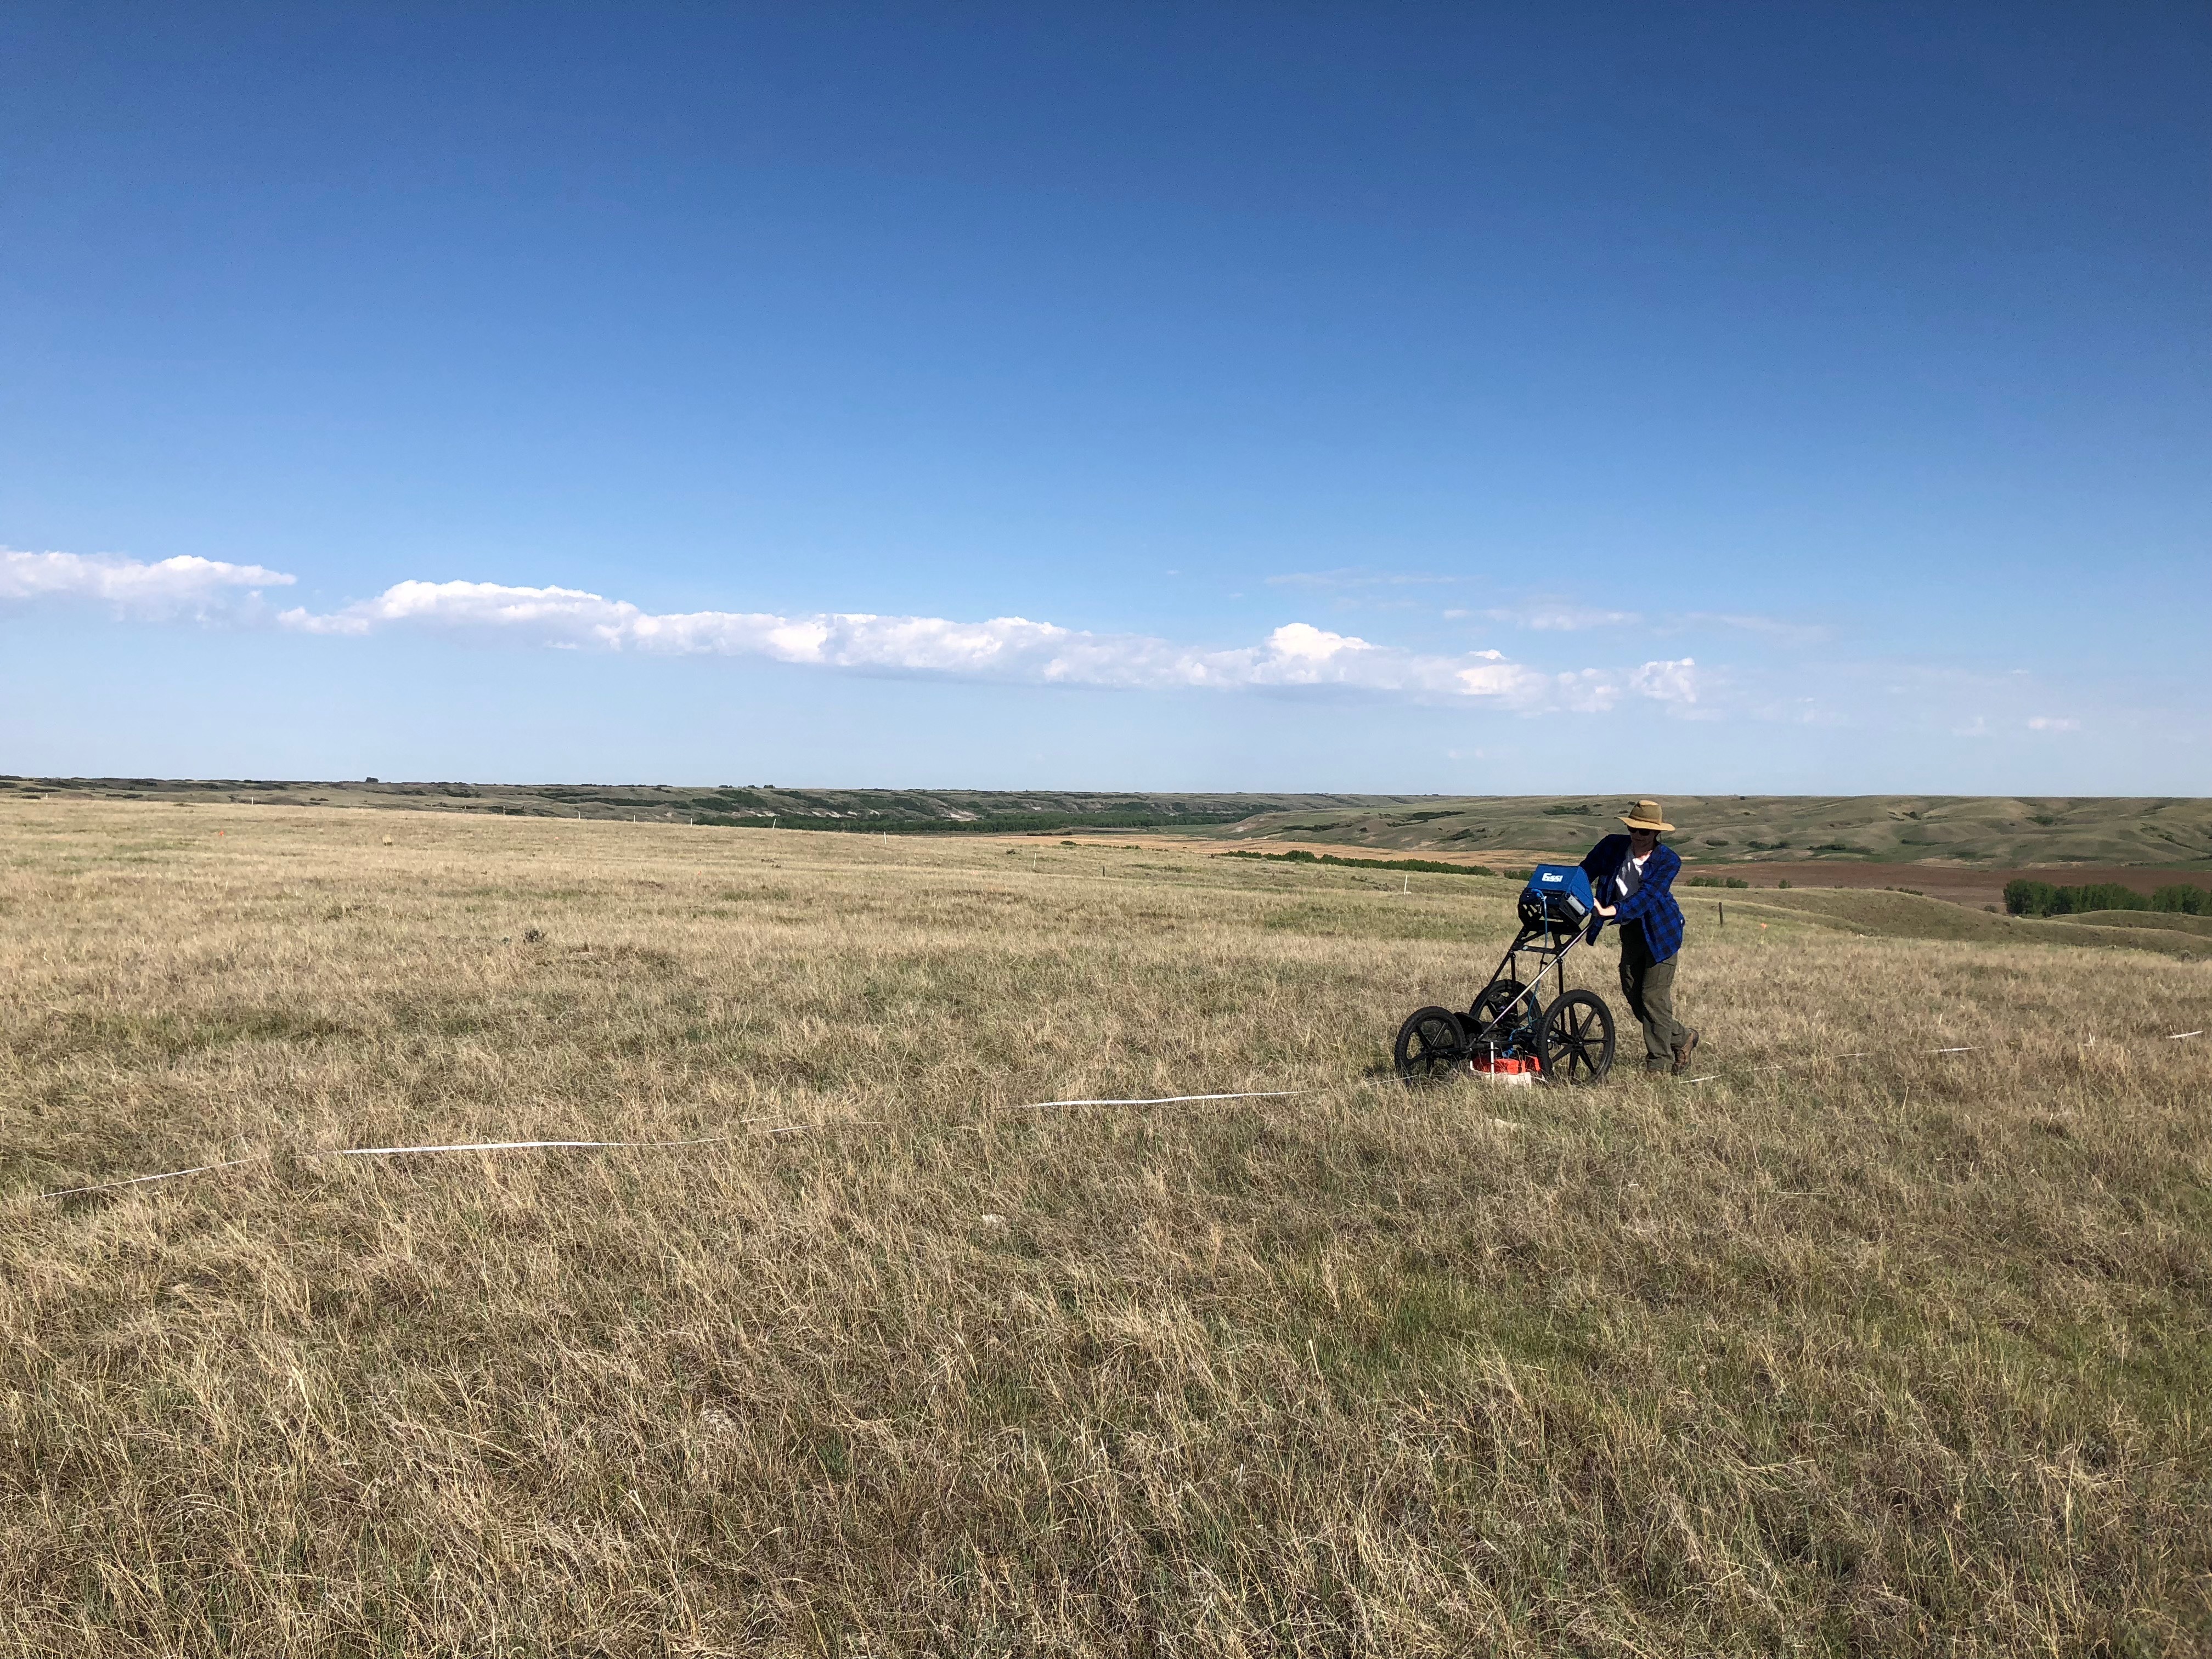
(2107, 896)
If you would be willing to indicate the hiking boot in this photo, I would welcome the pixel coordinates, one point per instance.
(1683, 1050)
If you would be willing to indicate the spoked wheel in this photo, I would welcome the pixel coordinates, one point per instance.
(1497, 998)
(1576, 1039)
(1431, 1043)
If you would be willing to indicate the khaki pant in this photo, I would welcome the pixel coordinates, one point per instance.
(1650, 987)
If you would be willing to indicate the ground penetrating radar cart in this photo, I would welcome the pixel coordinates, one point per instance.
(1510, 1031)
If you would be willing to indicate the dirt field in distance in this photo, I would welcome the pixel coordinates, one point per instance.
(1953, 882)
(1210, 846)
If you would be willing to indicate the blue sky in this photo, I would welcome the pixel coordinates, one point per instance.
(1378, 397)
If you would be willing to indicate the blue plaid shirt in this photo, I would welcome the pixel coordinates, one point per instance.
(1652, 903)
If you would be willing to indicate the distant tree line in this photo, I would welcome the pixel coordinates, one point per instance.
(2039, 899)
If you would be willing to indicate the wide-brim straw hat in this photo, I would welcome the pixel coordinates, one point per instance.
(1646, 815)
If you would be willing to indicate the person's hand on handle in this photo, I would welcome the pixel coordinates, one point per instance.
(1607, 910)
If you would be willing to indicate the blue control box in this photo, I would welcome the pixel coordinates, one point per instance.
(1558, 893)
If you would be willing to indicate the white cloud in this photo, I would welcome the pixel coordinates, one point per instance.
(1307, 643)
(1555, 618)
(1529, 690)
(1005, 648)
(2053, 723)
(1772, 627)
(1667, 681)
(1546, 614)
(169, 585)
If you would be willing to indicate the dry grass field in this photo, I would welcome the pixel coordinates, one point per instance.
(1907, 1354)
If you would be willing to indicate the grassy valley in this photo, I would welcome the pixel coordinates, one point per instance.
(1842, 832)
(1987, 830)
(899, 811)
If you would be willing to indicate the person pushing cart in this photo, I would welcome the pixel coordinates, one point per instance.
(1632, 878)
(1537, 1027)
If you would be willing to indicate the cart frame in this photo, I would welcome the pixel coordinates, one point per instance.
(1569, 1037)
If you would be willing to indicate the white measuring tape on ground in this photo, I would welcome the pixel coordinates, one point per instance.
(1166, 1100)
(167, 1174)
(556, 1145)
(402, 1152)
(798, 1128)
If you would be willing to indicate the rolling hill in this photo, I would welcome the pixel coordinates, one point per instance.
(1983, 833)
(1985, 830)
(876, 810)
